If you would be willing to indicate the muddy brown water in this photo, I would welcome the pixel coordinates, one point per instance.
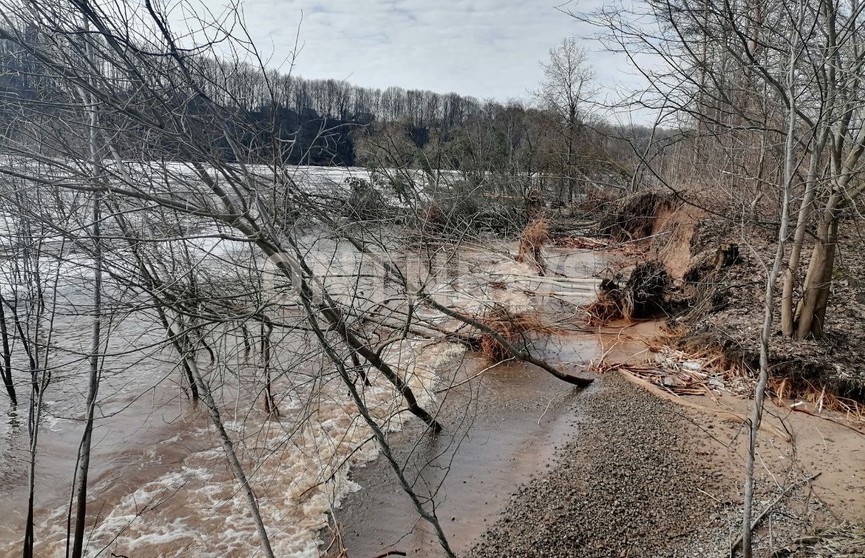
(500, 429)
(160, 487)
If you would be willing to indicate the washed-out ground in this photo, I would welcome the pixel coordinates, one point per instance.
(650, 477)
(636, 471)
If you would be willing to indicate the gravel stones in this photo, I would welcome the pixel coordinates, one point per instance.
(629, 485)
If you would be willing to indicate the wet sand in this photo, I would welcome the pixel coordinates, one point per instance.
(506, 426)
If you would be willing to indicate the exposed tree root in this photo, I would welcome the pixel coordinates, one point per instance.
(634, 217)
(643, 296)
(532, 241)
(512, 328)
(607, 306)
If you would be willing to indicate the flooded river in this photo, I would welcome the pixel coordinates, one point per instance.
(160, 484)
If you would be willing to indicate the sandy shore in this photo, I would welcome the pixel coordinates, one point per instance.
(547, 470)
(610, 471)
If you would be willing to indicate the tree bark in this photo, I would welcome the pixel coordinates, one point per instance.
(81, 474)
(769, 306)
(6, 370)
(811, 313)
(788, 322)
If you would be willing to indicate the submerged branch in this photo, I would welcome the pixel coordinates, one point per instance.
(519, 354)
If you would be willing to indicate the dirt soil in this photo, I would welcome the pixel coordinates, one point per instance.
(726, 305)
(812, 449)
(720, 307)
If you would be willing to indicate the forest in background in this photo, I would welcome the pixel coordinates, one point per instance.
(333, 123)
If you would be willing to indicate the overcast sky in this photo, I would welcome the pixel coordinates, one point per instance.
(483, 48)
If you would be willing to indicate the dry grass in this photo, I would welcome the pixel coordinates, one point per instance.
(843, 541)
(784, 389)
(512, 328)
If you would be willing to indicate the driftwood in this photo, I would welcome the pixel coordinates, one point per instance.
(519, 354)
(682, 382)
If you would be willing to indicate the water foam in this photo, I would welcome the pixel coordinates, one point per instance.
(299, 467)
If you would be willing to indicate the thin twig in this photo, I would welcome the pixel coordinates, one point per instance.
(467, 380)
(735, 546)
(550, 402)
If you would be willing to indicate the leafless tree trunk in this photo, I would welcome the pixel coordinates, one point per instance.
(84, 453)
(236, 467)
(769, 300)
(6, 366)
(806, 209)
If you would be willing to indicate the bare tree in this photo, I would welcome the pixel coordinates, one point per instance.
(565, 91)
(197, 225)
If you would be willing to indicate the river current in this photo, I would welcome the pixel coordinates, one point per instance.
(159, 481)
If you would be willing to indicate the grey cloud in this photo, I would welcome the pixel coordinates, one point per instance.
(484, 48)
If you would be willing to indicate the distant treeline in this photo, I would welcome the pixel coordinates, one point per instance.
(330, 122)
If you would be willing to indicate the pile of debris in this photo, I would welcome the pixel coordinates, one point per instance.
(511, 327)
(685, 374)
(683, 382)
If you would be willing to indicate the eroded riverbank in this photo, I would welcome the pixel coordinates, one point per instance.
(618, 470)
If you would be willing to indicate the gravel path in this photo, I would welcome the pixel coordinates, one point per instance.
(636, 481)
